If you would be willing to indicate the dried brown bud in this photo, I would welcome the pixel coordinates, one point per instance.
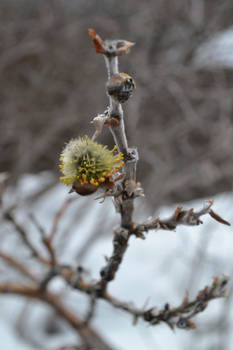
(120, 86)
(185, 323)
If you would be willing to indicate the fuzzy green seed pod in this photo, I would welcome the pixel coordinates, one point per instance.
(86, 163)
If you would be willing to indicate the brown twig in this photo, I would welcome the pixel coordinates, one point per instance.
(89, 336)
(17, 266)
(180, 217)
(57, 219)
(121, 235)
(8, 215)
(44, 239)
(180, 317)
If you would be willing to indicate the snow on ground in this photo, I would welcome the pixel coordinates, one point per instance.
(158, 269)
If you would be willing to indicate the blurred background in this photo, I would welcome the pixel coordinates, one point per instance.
(180, 117)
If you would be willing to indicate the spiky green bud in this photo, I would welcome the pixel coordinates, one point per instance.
(88, 162)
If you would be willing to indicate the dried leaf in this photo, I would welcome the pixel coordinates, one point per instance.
(97, 41)
(124, 47)
(139, 234)
(218, 218)
(191, 325)
(112, 122)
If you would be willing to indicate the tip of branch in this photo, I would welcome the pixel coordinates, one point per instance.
(109, 47)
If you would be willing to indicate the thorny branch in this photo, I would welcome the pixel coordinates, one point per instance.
(124, 202)
(180, 217)
(57, 218)
(44, 239)
(17, 265)
(180, 316)
(112, 49)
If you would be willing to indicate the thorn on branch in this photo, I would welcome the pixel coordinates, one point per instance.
(218, 218)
